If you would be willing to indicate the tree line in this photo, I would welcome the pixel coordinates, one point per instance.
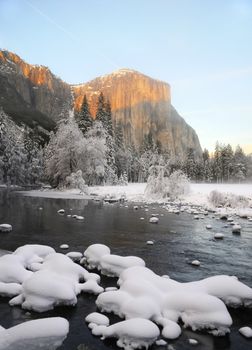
(96, 149)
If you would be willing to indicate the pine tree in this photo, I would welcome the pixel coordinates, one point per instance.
(148, 143)
(101, 113)
(226, 162)
(240, 164)
(206, 169)
(217, 166)
(190, 164)
(84, 118)
(108, 122)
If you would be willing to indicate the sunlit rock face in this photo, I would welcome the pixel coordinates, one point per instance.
(31, 93)
(141, 105)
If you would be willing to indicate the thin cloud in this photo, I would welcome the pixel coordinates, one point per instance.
(67, 32)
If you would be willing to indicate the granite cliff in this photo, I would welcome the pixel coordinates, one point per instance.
(31, 94)
(141, 105)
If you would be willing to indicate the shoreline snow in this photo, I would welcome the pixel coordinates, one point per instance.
(134, 192)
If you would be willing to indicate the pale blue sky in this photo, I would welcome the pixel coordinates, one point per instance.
(202, 48)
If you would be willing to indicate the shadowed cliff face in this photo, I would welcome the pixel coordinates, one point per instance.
(141, 105)
(31, 93)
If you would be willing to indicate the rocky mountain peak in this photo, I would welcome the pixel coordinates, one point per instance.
(140, 104)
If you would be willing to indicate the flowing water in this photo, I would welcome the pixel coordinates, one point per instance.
(178, 239)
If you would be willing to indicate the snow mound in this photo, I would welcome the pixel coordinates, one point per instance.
(75, 256)
(64, 246)
(154, 220)
(57, 281)
(131, 334)
(236, 229)
(97, 318)
(246, 332)
(219, 235)
(98, 256)
(14, 267)
(199, 304)
(5, 228)
(33, 253)
(44, 334)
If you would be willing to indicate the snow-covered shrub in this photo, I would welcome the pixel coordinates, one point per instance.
(231, 200)
(110, 176)
(159, 185)
(123, 179)
(217, 198)
(75, 180)
(179, 184)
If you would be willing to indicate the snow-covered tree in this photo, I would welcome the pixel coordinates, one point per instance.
(83, 117)
(179, 184)
(75, 180)
(62, 152)
(240, 164)
(123, 179)
(13, 156)
(162, 185)
(92, 155)
(217, 163)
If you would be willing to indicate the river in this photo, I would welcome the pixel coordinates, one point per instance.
(178, 239)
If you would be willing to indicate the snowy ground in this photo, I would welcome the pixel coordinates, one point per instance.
(134, 192)
(199, 193)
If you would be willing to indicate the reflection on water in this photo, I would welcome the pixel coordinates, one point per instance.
(178, 240)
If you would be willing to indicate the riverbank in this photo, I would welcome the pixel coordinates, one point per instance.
(134, 192)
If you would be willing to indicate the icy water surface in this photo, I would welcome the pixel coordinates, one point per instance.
(178, 240)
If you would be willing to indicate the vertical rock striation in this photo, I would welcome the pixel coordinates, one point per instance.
(141, 105)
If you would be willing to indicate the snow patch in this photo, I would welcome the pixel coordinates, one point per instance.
(47, 333)
(98, 256)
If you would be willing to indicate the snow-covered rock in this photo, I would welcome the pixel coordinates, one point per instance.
(236, 229)
(230, 219)
(209, 227)
(131, 334)
(64, 246)
(61, 211)
(56, 282)
(75, 256)
(98, 256)
(98, 319)
(193, 341)
(44, 334)
(195, 263)
(199, 304)
(12, 269)
(94, 253)
(154, 220)
(112, 265)
(246, 332)
(79, 217)
(33, 253)
(150, 242)
(5, 228)
(161, 342)
(219, 235)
